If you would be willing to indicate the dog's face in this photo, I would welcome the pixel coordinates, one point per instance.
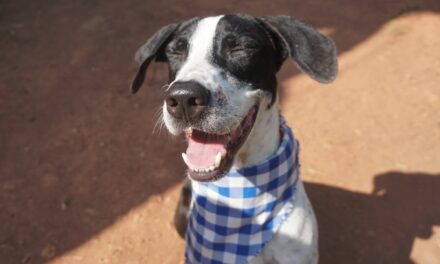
(223, 78)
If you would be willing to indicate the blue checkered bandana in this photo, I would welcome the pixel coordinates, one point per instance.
(233, 218)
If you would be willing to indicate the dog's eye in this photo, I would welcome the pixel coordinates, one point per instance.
(244, 47)
(235, 46)
(229, 42)
(178, 47)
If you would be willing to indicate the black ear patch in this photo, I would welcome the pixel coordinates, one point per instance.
(150, 50)
(314, 53)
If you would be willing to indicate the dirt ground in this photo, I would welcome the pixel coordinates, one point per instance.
(83, 179)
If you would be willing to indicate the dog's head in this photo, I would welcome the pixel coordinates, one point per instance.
(222, 74)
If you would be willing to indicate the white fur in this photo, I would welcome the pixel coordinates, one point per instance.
(197, 66)
(296, 240)
(264, 138)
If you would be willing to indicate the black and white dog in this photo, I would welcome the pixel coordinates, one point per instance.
(222, 96)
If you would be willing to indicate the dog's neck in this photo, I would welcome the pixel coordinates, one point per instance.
(236, 215)
(264, 138)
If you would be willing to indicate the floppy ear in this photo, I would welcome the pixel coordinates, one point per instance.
(314, 53)
(150, 50)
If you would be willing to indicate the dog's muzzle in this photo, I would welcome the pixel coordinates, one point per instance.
(210, 154)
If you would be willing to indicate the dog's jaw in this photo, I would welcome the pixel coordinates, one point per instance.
(264, 138)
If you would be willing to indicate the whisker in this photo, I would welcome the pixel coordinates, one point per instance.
(165, 86)
(159, 123)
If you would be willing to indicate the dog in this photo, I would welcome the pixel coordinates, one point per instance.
(222, 96)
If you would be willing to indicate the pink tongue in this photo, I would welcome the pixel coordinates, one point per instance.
(201, 153)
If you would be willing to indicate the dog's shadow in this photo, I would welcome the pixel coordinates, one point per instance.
(380, 227)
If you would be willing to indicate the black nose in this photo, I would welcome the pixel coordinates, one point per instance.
(187, 100)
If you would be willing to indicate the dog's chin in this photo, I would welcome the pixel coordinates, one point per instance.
(210, 156)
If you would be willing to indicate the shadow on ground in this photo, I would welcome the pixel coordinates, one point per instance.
(380, 227)
(76, 150)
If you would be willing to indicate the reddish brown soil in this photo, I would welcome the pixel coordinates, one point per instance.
(84, 180)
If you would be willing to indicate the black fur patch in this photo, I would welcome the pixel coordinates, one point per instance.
(244, 49)
(177, 49)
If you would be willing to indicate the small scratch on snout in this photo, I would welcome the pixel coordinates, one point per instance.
(221, 95)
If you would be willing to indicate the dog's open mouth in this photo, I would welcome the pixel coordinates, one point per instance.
(209, 156)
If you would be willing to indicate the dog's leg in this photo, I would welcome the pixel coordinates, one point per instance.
(182, 209)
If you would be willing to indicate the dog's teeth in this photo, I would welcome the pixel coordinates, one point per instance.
(185, 159)
(189, 131)
(211, 168)
(218, 159)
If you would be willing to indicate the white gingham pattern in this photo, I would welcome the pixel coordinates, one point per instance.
(233, 218)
